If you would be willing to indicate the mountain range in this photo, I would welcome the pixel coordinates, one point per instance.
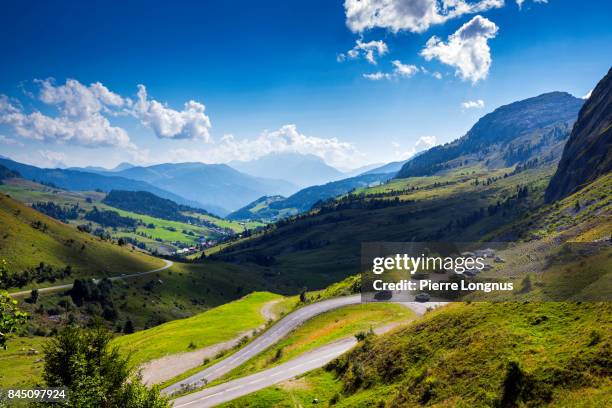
(83, 181)
(217, 187)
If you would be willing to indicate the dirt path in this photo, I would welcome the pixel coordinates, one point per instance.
(164, 368)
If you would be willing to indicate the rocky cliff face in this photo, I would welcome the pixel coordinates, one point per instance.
(588, 152)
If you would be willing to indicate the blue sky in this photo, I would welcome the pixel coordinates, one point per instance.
(278, 76)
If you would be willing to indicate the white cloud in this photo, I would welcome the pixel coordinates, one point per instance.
(190, 123)
(426, 142)
(467, 49)
(520, 2)
(477, 104)
(83, 111)
(423, 143)
(437, 75)
(74, 99)
(51, 158)
(286, 139)
(404, 70)
(377, 76)
(369, 50)
(79, 122)
(588, 95)
(400, 70)
(410, 15)
(10, 141)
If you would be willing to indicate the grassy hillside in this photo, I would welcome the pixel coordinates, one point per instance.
(172, 295)
(151, 233)
(19, 365)
(29, 238)
(584, 216)
(476, 355)
(323, 246)
(150, 300)
(213, 326)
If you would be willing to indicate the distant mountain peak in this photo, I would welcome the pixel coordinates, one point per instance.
(549, 115)
(122, 166)
(300, 169)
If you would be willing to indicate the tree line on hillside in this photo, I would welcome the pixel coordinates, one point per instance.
(142, 202)
(41, 273)
(106, 218)
(503, 208)
(62, 213)
(109, 218)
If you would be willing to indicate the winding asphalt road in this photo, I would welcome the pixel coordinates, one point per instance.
(269, 337)
(309, 361)
(50, 289)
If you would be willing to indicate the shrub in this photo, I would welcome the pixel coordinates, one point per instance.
(96, 374)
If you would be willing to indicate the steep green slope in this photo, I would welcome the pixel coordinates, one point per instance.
(519, 132)
(28, 238)
(469, 355)
(588, 152)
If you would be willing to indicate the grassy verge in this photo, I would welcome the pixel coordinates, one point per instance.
(299, 392)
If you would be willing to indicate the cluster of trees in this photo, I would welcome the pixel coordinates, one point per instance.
(41, 273)
(111, 219)
(95, 373)
(519, 153)
(86, 290)
(531, 164)
(132, 241)
(505, 206)
(361, 204)
(56, 211)
(39, 225)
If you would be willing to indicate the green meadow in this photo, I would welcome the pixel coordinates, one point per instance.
(213, 326)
